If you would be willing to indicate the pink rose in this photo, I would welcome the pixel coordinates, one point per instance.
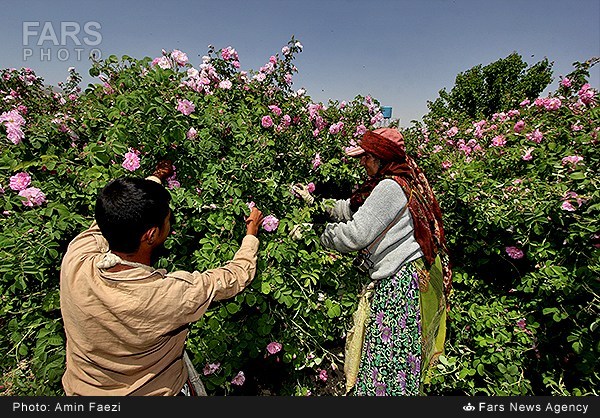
(572, 159)
(565, 82)
(239, 379)
(527, 156)
(519, 126)
(179, 57)
(266, 121)
(274, 347)
(535, 136)
(498, 141)
(191, 133)
(210, 368)
(270, 223)
(20, 181)
(316, 162)
(514, 252)
(185, 106)
(566, 205)
(131, 161)
(225, 85)
(33, 196)
(275, 109)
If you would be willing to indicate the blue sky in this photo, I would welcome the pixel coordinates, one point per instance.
(402, 52)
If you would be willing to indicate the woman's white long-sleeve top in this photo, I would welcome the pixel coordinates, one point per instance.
(356, 231)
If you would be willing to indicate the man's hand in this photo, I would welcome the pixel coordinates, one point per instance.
(254, 221)
(164, 170)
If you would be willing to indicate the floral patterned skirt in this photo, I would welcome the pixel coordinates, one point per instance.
(390, 362)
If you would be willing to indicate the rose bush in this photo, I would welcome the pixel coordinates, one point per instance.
(520, 191)
(235, 138)
(239, 138)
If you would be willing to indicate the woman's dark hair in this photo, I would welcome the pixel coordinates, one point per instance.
(127, 207)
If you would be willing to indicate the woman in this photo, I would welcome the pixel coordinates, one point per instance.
(394, 220)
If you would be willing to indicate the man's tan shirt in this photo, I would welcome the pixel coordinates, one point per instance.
(126, 330)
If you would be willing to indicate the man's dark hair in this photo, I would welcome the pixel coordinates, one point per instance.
(127, 207)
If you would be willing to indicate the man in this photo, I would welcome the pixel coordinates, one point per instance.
(126, 323)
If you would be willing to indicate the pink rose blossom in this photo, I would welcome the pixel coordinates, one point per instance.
(12, 117)
(185, 106)
(173, 183)
(452, 131)
(210, 368)
(316, 162)
(498, 141)
(519, 126)
(20, 181)
(191, 133)
(323, 375)
(33, 196)
(521, 323)
(551, 103)
(286, 120)
(524, 103)
(310, 187)
(586, 94)
(266, 121)
(274, 347)
(229, 54)
(180, 58)
(131, 161)
(565, 82)
(514, 252)
(572, 159)
(527, 156)
(239, 379)
(572, 195)
(566, 205)
(360, 130)
(13, 121)
(275, 109)
(535, 136)
(270, 223)
(225, 85)
(336, 127)
(163, 62)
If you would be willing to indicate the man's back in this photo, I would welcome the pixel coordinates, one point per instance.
(122, 336)
(126, 330)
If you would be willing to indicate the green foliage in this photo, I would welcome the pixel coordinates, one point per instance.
(484, 90)
(517, 326)
(522, 323)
